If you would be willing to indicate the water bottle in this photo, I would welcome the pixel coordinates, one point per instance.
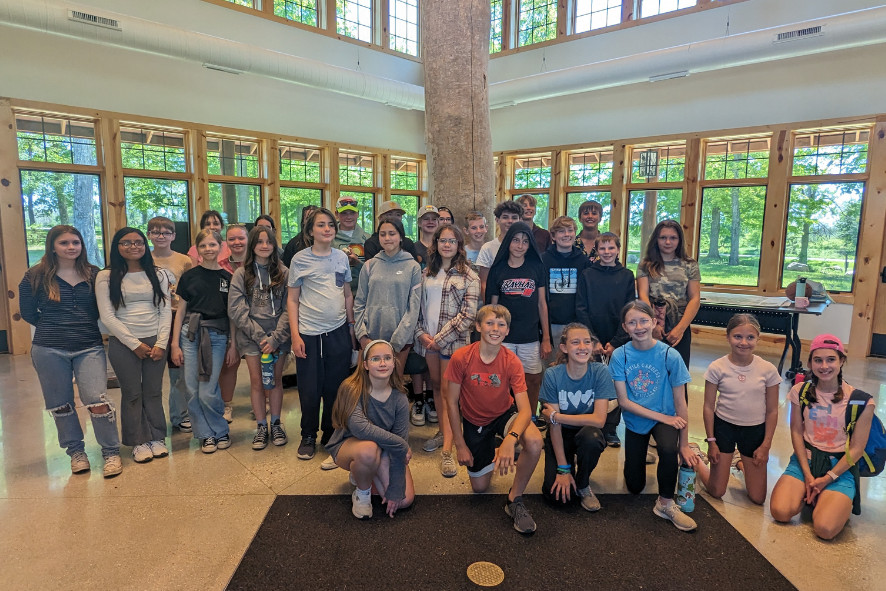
(267, 370)
(685, 497)
(800, 299)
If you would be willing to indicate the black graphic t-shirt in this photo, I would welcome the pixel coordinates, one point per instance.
(517, 290)
(206, 291)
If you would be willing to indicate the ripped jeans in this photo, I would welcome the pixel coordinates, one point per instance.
(56, 369)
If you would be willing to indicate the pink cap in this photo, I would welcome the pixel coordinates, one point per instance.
(827, 341)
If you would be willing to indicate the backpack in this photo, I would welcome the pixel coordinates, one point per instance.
(874, 455)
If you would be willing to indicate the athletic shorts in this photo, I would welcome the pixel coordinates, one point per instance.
(844, 484)
(747, 438)
(483, 441)
(528, 355)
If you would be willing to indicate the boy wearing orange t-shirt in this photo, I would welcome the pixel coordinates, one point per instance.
(487, 422)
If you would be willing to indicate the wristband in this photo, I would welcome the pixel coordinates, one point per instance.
(553, 421)
(711, 439)
(514, 434)
(564, 469)
(832, 475)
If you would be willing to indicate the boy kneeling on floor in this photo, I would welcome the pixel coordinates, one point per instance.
(481, 377)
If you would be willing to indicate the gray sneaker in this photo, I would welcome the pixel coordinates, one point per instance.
(434, 443)
(523, 521)
(589, 501)
(113, 466)
(79, 462)
(673, 514)
(360, 507)
(448, 467)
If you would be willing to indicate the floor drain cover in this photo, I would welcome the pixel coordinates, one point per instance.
(486, 574)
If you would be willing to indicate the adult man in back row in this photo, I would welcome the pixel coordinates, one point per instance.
(350, 237)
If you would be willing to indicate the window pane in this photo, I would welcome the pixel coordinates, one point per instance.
(822, 236)
(53, 139)
(148, 149)
(300, 163)
(292, 201)
(232, 157)
(238, 204)
(596, 14)
(301, 11)
(741, 158)
(366, 207)
(590, 168)
(495, 28)
(409, 203)
(831, 152)
(147, 198)
(541, 209)
(404, 26)
(647, 208)
(653, 7)
(658, 163)
(354, 18)
(538, 21)
(731, 234)
(53, 198)
(532, 172)
(355, 169)
(574, 201)
(247, 3)
(404, 174)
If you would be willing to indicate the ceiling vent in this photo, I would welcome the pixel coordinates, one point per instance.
(79, 16)
(816, 31)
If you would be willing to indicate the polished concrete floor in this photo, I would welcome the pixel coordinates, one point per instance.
(183, 522)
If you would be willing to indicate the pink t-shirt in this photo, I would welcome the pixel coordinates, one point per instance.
(825, 420)
(742, 398)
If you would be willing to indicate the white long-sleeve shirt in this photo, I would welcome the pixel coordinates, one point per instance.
(139, 318)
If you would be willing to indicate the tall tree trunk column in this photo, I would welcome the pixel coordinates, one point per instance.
(455, 52)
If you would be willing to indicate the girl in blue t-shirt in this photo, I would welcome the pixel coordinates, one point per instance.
(649, 381)
(575, 396)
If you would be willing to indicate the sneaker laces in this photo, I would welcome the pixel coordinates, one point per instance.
(518, 510)
(210, 441)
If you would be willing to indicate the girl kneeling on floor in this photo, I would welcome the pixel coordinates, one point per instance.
(575, 394)
(649, 379)
(744, 414)
(371, 439)
(824, 478)
(257, 308)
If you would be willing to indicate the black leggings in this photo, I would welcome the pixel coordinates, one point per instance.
(320, 373)
(667, 441)
(586, 443)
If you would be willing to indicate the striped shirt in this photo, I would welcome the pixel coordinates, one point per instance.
(70, 324)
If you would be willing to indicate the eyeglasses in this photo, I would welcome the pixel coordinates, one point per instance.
(645, 321)
(132, 243)
(447, 241)
(166, 234)
(380, 358)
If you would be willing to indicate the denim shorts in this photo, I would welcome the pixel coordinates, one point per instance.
(844, 484)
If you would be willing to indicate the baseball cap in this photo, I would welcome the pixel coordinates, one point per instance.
(426, 209)
(389, 206)
(345, 203)
(827, 341)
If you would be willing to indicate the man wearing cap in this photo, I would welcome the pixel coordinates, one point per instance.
(393, 210)
(350, 236)
(428, 220)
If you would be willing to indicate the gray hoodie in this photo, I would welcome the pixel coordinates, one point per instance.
(261, 314)
(388, 298)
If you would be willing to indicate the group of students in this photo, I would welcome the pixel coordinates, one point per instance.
(574, 308)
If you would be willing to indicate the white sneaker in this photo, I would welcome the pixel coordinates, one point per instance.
(417, 416)
(229, 413)
(142, 453)
(113, 466)
(434, 443)
(79, 462)
(361, 507)
(676, 516)
(448, 467)
(328, 464)
(158, 449)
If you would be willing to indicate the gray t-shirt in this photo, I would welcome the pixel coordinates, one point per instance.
(321, 305)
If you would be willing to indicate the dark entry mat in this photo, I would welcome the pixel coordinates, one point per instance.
(314, 543)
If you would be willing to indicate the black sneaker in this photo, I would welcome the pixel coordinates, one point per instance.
(523, 521)
(278, 434)
(307, 448)
(418, 413)
(431, 409)
(208, 445)
(260, 441)
(224, 442)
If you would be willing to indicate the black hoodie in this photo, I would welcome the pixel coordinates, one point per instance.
(563, 270)
(602, 293)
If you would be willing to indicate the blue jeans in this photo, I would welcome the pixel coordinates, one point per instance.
(205, 404)
(56, 370)
(178, 405)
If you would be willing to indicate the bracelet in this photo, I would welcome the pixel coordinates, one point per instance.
(711, 439)
(514, 434)
(564, 469)
(832, 475)
(553, 421)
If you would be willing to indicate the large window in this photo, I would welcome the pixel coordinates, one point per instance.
(300, 11)
(596, 14)
(238, 203)
(353, 18)
(406, 176)
(495, 28)
(646, 209)
(301, 184)
(590, 179)
(533, 172)
(403, 26)
(150, 197)
(538, 21)
(574, 201)
(293, 200)
(664, 164)
(653, 7)
(232, 157)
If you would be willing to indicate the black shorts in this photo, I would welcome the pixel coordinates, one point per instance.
(483, 441)
(747, 438)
